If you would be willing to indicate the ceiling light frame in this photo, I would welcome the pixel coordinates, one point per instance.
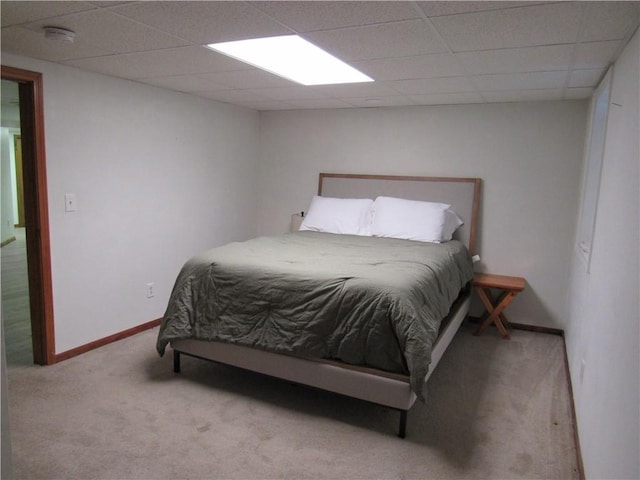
(293, 58)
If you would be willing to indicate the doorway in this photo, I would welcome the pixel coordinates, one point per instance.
(16, 315)
(35, 211)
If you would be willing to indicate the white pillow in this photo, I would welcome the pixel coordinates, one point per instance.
(413, 220)
(339, 215)
(452, 223)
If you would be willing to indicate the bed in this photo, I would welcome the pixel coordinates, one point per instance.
(357, 315)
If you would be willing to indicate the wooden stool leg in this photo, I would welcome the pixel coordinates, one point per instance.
(494, 314)
(502, 316)
(488, 305)
(505, 321)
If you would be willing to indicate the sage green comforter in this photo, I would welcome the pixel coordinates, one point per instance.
(361, 300)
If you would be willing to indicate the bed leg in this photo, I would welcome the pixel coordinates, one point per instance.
(402, 432)
(176, 361)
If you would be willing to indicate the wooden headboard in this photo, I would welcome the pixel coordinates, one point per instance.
(463, 194)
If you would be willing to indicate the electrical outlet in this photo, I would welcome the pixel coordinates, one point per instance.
(150, 290)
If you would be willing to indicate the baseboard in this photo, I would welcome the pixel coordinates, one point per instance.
(7, 241)
(537, 328)
(574, 417)
(522, 326)
(74, 352)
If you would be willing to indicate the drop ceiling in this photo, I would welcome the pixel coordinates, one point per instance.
(419, 53)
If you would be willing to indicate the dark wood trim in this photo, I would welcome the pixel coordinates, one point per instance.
(410, 178)
(475, 216)
(522, 326)
(574, 417)
(74, 352)
(538, 329)
(7, 241)
(36, 211)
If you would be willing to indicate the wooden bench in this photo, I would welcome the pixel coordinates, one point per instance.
(510, 286)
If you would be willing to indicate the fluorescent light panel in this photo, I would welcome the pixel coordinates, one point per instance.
(292, 57)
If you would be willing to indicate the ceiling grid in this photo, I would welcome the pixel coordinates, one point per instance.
(418, 53)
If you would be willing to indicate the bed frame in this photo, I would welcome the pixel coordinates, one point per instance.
(376, 386)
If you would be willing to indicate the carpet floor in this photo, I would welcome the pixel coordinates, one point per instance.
(16, 314)
(495, 409)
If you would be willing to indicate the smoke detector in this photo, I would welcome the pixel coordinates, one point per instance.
(58, 34)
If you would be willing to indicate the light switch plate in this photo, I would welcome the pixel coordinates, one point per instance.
(70, 204)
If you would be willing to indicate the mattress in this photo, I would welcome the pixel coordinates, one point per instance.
(376, 302)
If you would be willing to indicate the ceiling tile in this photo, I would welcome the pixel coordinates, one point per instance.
(264, 105)
(14, 13)
(412, 37)
(513, 60)
(417, 66)
(161, 63)
(249, 78)
(447, 98)
(586, 78)
(521, 81)
(609, 20)
(319, 15)
(184, 83)
(204, 22)
(433, 85)
(317, 103)
(596, 54)
(523, 95)
(437, 9)
(374, 102)
(356, 90)
(296, 92)
(22, 41)
(418, 52)
(109, 3)
(577, 93)
(96, 27)
(115, 65)
(547, 24)
(232, 96)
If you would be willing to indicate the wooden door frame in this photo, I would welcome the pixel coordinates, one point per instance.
(36, 211)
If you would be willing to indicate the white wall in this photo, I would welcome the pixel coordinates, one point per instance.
(529, 156)
(9, 111)
(158, 175)
(604, 313)
(6, 185)
(10, 122)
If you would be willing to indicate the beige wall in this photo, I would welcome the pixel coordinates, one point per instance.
(603, 331)
(159, 176)
(529, 156)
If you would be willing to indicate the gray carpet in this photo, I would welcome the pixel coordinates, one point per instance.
(16, 315)
(496, 409)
